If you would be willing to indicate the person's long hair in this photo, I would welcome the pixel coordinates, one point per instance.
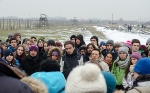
(23, 54)
(128, 69)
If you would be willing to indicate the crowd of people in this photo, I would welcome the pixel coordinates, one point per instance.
(36, 65)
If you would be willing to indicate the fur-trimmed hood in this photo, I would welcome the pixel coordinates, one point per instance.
(55, 49)
(36, 85)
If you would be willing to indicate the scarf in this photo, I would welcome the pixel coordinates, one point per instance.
(124, 63)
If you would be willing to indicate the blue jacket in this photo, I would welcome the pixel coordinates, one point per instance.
(55, 81)
(11, 48)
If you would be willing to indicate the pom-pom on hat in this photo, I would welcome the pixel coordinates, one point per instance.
(33, 47)
(85, 80)
(128, 44)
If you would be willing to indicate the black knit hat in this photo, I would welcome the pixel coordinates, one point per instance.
(49, 65)
(8, 52)
(80, 37)
(73, 36)
(51, 42)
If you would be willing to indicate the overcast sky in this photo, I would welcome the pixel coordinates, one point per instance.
(103, 9)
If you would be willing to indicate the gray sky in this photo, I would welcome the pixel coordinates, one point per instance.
(103, 9)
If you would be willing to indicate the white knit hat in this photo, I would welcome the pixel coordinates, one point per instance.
(86, 79)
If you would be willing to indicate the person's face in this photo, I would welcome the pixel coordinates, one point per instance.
(9, 58)
(73, 40)
(13, 43)
(78, 41)
(135, 47)
(109, 46)
(108, 58)
(95, 55)
(54, 57)
(147, 45)
(4, 47)
(117, 48)
(18, 38)
(134, 60)
(83, 52)
(45, 47)
(90, 48)
(122, 55)
(69, 49)
(34, 40)
(102, 47)
(28, 44)
(40, 44)
(33, 53)
(20, 51)
(50, 46)
(136, 75)
(93, 41)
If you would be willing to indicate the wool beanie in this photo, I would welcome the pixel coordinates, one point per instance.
(123, 49)
(128, 44)
(142, 66)
(10, 35)
(8, 52)
(136, 55)
(49, 65)
(51, 42)
(110, 81)
(58, 44)
(143, 47)
(84, 80)
(110, 42)
(33, 47)
(102, 43)
(148, 41)
(94, 37)
(73, 36)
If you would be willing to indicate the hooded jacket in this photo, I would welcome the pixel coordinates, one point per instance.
(54, 81)
(36, 85)
(55, 49)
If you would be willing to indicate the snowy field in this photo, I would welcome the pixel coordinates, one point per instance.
(121, 36)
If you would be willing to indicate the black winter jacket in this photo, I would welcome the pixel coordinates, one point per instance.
(31, 65)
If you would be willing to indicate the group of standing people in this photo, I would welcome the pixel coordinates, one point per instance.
(77, 67)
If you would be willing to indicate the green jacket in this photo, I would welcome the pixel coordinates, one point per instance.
(118, 73)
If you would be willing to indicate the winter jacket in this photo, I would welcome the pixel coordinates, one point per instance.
(141, 85)
(128, 82)
(12, 85)
(31, 65)
(118, 73)
(36, 85)
(11, 48)
(68, 62)
(54, 81)
(114, 53)
(44, 56)
(86, 57)
(104, 66)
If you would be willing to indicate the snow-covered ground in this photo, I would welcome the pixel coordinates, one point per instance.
(120, 36)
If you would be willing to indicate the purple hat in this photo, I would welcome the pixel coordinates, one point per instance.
(33, 47)
(136, 55)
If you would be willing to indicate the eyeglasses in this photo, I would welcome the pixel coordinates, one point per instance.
(55, 55)
(95, 54)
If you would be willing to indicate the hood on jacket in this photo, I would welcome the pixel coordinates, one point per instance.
(55, 81)
(56, 49)
(36, 85)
